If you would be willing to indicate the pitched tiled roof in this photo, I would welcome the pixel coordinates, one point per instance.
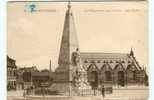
(112, 59)
(103, 55)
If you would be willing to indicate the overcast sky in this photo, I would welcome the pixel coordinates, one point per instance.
(34, 38)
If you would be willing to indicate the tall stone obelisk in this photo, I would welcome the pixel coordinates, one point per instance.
(69, 75)
(69, 42)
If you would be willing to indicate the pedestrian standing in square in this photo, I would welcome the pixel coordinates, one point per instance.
(103, 91)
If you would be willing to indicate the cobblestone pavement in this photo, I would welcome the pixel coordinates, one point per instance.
(118, 94)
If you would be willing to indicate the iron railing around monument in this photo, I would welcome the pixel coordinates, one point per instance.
(81, 92)
(93, 92)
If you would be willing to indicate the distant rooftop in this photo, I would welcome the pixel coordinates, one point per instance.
(41, 74)
(11, 62)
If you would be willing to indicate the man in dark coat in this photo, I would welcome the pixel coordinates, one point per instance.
(103, 91)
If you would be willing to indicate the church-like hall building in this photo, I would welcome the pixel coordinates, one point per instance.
(113, 69)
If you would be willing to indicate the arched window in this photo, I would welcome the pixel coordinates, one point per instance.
(108, 76)
(131, 73)
(92, 73)
(134, 75)
(121, 79)
(94, 76)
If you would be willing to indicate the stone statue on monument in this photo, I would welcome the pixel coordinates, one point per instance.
(76, 57)
(80, 75)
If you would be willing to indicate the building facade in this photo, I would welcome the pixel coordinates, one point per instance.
(25, 76)
(28, 77)
(11, 73)
(117, 69)
(40, 79)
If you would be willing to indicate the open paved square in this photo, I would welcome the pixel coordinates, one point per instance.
(118, 94)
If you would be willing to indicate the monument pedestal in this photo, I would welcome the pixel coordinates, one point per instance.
(70, 83)
(62, 88)
(68, 89)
